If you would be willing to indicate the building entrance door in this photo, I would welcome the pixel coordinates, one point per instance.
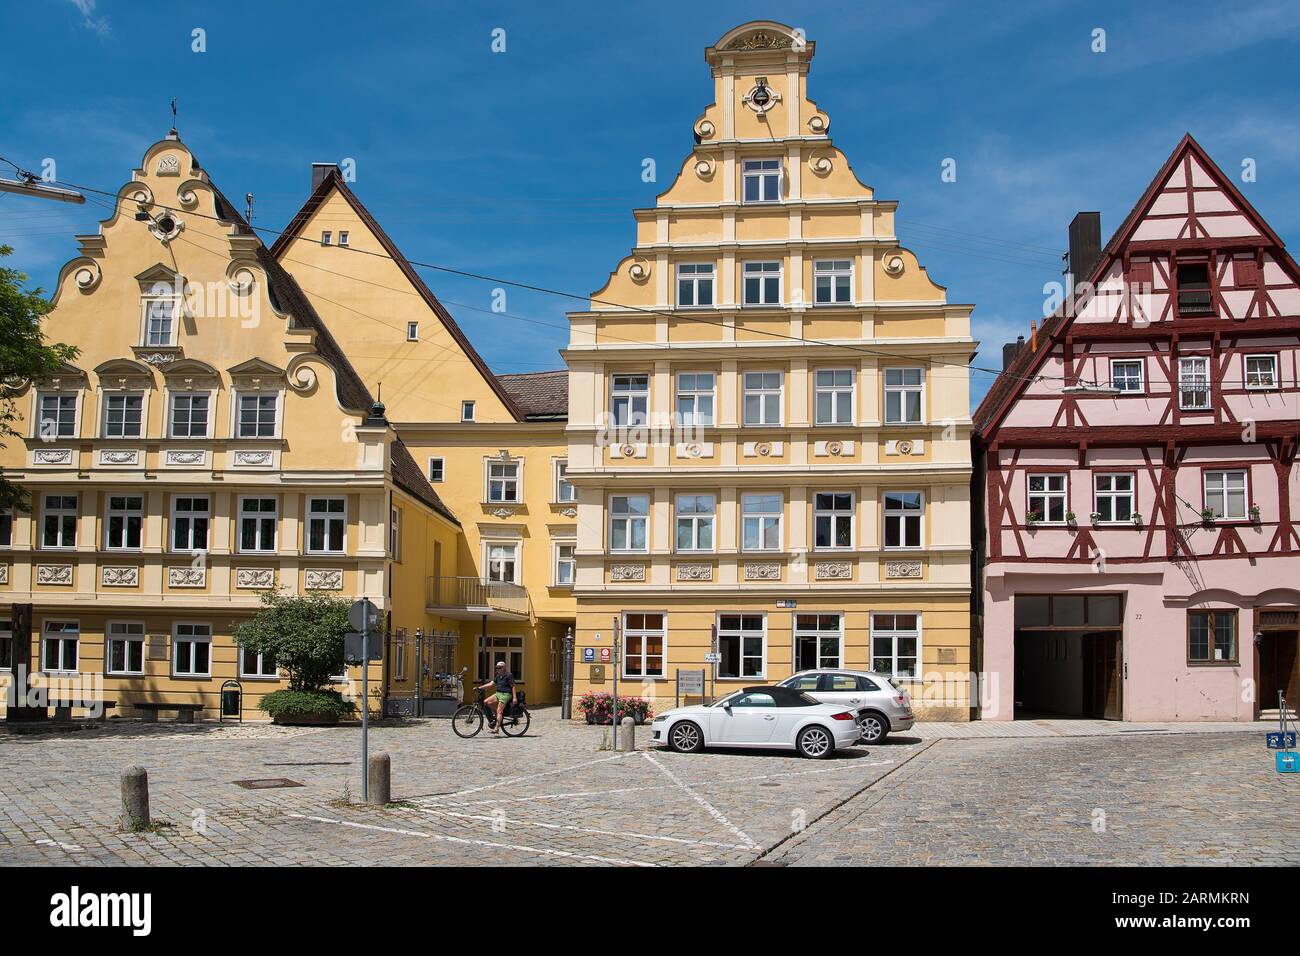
(1103, 675)
(1279, 669)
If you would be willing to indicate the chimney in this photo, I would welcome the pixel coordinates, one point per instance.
(1085, 246)
(1011, 350)
(320, 170)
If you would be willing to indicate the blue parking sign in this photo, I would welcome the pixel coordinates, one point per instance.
(1288, 761)
(1280, 741)
(588, 655)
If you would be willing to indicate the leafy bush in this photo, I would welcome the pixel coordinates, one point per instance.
(598, 706)
(303, 635)
(287, 704)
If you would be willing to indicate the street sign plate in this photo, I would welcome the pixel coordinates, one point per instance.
(352, 647)
(604, 655)
(1278, 741)
(690, 683)
(363, 615)
(588, 655)
(713, 657)
(787, 602)
(1288, 761)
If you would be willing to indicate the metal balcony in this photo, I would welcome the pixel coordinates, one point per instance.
(472, 598)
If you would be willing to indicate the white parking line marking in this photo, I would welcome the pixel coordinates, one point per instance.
(69, 847)
(710, 808)
(527, 776)
(518, 848)
(562, 826)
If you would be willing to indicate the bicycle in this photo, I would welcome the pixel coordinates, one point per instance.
(468, 720)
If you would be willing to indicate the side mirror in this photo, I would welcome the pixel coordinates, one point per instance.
(727, 707)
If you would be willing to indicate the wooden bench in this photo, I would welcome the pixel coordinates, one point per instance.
(63, 708)
(184, 712)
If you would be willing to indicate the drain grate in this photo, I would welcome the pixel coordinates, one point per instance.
(267, 783)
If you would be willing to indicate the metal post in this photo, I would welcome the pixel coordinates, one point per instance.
(418, 709)
(614, 702)
(713, 664)
(365, 712)
(566, 677)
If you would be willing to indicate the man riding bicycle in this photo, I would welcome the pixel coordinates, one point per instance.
(504, 682)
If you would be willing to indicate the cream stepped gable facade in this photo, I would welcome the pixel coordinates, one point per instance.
(492, 446)
(800, 497)
(210, 441)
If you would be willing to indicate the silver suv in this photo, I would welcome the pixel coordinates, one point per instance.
(881, 706)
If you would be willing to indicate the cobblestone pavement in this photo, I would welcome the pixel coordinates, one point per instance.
(555, 797)
(1136, 800)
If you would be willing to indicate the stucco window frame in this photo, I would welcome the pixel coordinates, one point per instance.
(170, 410)
(761, 174)
(763, 276)
(902, 514)
(833, 390)
(106, 394)
(516, 570)
(761, 517)
(75, 511)
(834, 513)
(817, 634)
(693, 279)
(741, 635)
(178, 639)
(258, 516)
(694, 394)
(1235, 661)
(629, 394)
(60, 671)
(442, 469)
(518, 479)
(236, 412)
(556, 545)
(559, 478)
(245, 674)
(110, 638)
(125, 513)
(630, 518)
(37, 401)
(696, 521)
(903, 390)
(894, 634)
(820, 268)
(329, 518)
(642, 632)
(763, 392)
(173, 337)
(190, 516)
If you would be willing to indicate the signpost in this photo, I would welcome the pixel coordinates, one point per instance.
(1286, 759)
(364, 617)
(604, 656)
(689, 683)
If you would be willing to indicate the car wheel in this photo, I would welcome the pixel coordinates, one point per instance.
(874, 728)
(686, 737)
(815, 742)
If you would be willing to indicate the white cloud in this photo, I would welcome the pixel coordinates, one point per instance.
(90, 20)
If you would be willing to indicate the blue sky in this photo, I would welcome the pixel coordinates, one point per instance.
(550, 135)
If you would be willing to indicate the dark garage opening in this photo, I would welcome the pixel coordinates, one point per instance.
(1069, 656)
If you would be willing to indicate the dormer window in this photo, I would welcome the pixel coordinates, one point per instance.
(1194, 290)
(160, 321)
(343, 237)
(325, 237)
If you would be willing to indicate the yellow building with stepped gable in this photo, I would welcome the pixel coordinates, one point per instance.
(769, 418)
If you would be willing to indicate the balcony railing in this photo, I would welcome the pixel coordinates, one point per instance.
(467, 593)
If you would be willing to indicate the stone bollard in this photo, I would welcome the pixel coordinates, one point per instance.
(379, 779)
(627, 735)
(135, 798)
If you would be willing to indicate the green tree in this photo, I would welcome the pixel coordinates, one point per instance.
(303, 634)
(25, 356)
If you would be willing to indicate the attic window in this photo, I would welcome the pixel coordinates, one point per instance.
(1194, 290)
(412, 331)
(466, 411)
(343, 237)
(325, 237)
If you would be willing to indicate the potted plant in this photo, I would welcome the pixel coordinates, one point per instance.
(1033, 518)
(304, 636)
(597, 708)
(1254, 512)
(1071, 518)
(1207, 516)
(1137, 519)
(1095, 517)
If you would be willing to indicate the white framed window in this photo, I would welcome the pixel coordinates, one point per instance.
(762, 180)
(412, 331)
(695, 398)
(503, 562)
(395, 533)
(503, 481)
(904, 512)
(742, 646)
(258, 521)
(123, 522)
(645, 639)
(1048, 497)
(832, 281)
(762, 283)
(325, 237)
(327, 524)
(437, 469)
(565, 565)
(60, 644)
(564, 490)
(833, 396)
(400, 643)
(628, 515)
(896, 645)
(818, 641)
(1113, 497)
(7, 528)
(1261, 372)
(125, 648)
(123, 415)
(695, 515)
(189, 415)
(904, 396)
(763, 398)
(254, 666)
(496, 647)
(6, 645)
(343, 237)
(466, 411)
(191, 649)
(760, 522)
(833, 520)
(629, 399)
(1194, 382)
(1128, 375)
(58, 522)
(56, 414)
(1226, 494)
(258, 414)
(159, 323)
(695, 285)
(191, 517)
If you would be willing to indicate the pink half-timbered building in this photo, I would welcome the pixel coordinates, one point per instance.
(1136, 465)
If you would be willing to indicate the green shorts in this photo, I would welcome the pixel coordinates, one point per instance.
(503, 698)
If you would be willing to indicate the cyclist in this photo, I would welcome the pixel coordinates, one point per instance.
(504, 683)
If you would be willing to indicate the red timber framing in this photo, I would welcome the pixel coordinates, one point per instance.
(1251, 282)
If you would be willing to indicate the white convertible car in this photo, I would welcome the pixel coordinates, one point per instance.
(779, 718)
